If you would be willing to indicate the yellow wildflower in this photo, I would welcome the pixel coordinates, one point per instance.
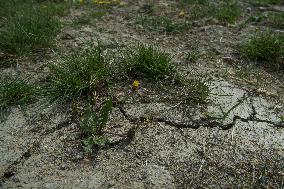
(135, 84)
(181, 14)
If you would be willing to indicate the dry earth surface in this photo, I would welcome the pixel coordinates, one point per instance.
(155, 143)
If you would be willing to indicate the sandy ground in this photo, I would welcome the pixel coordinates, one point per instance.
(155, 144)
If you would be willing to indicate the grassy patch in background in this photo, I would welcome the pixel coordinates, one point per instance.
(54, 8)
(276, 20)
(27, 26)
(78, 76)
(266, 47)
(27, 32)
(225, 11)
(229, 12)
(197, 9)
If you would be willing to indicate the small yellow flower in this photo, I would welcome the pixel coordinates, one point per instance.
(135, 84)
(181, 14)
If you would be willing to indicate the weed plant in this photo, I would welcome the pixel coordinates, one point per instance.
(197, 91)
(92, 124)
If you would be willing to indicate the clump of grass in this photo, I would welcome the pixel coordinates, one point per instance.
(78, 76)
(266, 47)
(27, 29)
(150, 63)
(92, 124)
(15, 91)
(229, 12)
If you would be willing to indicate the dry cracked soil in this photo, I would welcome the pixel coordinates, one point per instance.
(155, 143)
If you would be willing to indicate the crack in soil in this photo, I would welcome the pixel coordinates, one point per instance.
(203, 122)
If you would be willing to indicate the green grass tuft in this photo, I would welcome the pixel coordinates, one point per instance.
(148, 62)
(15, 91)
(266, 47)
(78, 76)
(229, 12)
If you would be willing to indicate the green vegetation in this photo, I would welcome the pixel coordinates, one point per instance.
(78, 76)
(148, 62)
(55, 8)
(15, 91)
(226, 11)
(197, 91)
(276, 20)
(26, 27)
(192, 56)
(266, 47)
(92, 125)
(229, 12)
